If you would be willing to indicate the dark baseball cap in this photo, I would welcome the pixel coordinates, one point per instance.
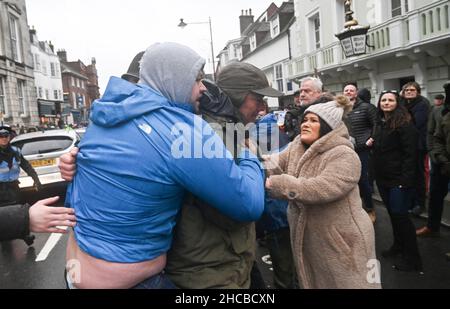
(133, 70)
(239, 78)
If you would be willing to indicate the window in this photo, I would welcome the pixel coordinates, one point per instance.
(52, 69)
(253, 42)
(37, 62)
(40, 95)
(275, 27)
(21, 96)
(279, 77)
(3, 110)
(14, 34)
(72, 80)
(397, 8)
(74, 100)
(42, 145)
(316, 27)
(55, 94)
(44, 68)
(47, 94)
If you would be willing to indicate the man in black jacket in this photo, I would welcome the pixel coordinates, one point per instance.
(441, 154)
(362, 118)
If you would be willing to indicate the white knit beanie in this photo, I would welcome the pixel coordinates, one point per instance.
(331, 112)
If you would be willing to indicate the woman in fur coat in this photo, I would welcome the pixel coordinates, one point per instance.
(332, 236)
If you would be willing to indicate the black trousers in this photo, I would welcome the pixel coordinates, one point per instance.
(9, 193)
(438, 192)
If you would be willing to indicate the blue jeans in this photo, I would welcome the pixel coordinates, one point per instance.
(364, 186)
(397, 200)
(159, 281)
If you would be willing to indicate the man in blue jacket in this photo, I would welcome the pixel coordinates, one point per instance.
(126, 211)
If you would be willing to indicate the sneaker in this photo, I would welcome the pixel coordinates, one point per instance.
(425, 231)
(372, 215)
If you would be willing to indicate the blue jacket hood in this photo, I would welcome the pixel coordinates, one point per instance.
(124, 101)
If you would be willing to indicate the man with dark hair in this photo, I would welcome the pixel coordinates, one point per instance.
(297, 101)
(363, 119)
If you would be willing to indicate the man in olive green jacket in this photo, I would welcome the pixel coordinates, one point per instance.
(209, 249)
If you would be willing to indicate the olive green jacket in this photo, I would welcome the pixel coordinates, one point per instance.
(210, 250)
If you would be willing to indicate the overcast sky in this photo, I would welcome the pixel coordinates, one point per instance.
(113, 31)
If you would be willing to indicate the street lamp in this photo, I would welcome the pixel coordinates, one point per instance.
(182, 24)
(354, 37)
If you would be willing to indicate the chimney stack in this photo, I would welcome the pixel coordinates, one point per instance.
(51, 46)
(32, 34)
(245, 20)
(62, 54)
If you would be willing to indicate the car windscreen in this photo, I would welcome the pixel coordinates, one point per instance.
(42, 145)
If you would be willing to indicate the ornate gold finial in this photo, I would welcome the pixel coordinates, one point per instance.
(349, 20)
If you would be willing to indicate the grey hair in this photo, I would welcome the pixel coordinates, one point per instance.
(317, 83)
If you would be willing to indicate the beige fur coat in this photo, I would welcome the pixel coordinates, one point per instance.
(332, 236)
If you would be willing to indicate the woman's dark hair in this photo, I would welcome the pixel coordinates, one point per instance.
(324, 127)
(399, 116)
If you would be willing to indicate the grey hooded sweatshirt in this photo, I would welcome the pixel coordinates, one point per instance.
(171, 69)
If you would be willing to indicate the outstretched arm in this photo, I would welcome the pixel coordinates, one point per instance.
(17, 221)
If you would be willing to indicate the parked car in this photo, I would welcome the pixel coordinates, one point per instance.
(42, 150)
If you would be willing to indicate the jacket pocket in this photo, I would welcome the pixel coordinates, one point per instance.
(338, 241)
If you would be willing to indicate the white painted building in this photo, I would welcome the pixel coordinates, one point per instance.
(47, 77)
(265, 43)
(410, 40)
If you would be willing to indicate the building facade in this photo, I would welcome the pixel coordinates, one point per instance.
(409, 41)
(18, 105)
(265, 43)
(48, 81)
(80, 86)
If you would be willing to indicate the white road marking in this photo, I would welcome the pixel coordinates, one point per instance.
(50, 244)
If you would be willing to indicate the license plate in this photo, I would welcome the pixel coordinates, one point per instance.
(43, 162)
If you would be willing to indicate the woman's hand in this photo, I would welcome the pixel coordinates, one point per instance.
(268, 183)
